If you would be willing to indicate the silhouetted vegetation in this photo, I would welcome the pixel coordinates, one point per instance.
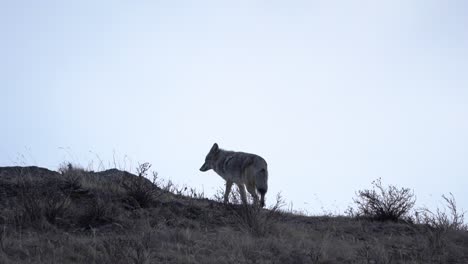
(453, 220)
(112, 216)
(140, 188)
(384, 203)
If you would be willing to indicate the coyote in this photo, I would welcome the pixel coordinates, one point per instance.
(239, 168)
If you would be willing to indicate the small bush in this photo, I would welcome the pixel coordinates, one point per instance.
(383, 204)
(140, 188)
(72, 176)
(441, 219)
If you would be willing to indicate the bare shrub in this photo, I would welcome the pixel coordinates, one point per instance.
(441, 219)
(140, 188)
(384, 203)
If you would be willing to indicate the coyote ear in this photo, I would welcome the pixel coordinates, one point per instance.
(215, 148)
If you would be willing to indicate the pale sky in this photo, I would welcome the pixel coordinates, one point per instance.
(333, 94)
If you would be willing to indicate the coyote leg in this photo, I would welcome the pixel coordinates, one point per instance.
(242, 193)
(228, 190)
(253, 192)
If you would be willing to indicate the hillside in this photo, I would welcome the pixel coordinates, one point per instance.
(76, 216)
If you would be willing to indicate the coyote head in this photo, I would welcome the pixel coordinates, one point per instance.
(210, 158)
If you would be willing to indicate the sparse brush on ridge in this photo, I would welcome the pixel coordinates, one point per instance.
(143, 191)
(442, 220)
(384, 203)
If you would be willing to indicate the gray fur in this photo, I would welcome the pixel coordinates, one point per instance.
(244, 169)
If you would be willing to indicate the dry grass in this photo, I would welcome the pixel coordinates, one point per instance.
(103, 223)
